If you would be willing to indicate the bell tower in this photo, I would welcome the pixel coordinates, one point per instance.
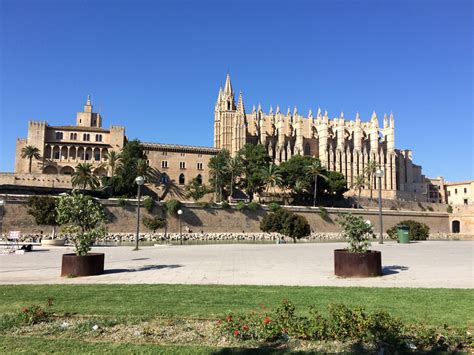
(225, 113)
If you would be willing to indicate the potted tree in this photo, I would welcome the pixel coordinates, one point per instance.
(43, 209)
(357, 260)
(84, 218)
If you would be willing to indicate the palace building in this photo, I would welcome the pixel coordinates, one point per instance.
(342, 144)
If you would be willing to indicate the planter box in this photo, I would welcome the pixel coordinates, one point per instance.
(348, 264)
(53, 242)
(86, 265)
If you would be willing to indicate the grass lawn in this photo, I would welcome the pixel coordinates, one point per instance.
(436, 307)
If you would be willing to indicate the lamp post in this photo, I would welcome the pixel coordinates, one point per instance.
(379, 174)
(139, 180)
(2, 206)
(180, 212)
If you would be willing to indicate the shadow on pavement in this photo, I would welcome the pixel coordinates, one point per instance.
(393, 269)
(142, 268)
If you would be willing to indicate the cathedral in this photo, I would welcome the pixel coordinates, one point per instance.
(341, 144)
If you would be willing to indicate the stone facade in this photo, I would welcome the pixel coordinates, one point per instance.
(342, 145)
(63, 147)
(460, 193)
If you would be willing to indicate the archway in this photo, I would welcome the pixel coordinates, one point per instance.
(199, 179)
(50, 169)
(67, 170)
(100, 172)
(456, 227)
(182, 180)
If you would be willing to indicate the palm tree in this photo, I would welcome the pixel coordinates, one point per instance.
(143, 169)
(316, 170)
(83, 177)
(301, 186)
(113, 159)
(272, 177)
(30, 152)
(359, 184)
(234, 167)
(369, 171)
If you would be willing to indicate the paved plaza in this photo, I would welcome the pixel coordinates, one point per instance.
(432, 264)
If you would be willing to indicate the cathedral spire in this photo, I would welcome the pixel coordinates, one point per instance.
(240, 104)
(228, 86)
(219, 97)
(254, 109)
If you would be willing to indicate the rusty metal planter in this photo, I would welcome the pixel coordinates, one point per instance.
(348, 264)
(84, 265)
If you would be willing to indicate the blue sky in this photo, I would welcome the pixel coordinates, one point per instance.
(155, 67)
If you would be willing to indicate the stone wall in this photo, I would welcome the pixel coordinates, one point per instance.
(197, 218)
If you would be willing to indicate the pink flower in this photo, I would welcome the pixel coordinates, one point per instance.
(236, 332)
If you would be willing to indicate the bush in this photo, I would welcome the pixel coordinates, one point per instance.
(43, 209)
(172, 207)
(342, 324)
(287, 223)
(429, 208)
(225, 205)
(273, 206)
(416, 230)
(449, 209)
(148, 203)
(122, 202)
(253, 206)
(421, 206)
(240, 206)
(357, 231)
(154, 223)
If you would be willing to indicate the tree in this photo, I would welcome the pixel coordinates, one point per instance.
(336, 184)
(84, 218)
(154, 223)
(294, 174)
(84, 177)
(123, 183)
(219, 175)
(144, 169)
(359, 183)
(369, 172)
(234, 168)
(287, 223)
(29, 152)
(316, 170)
(272, 177)
(113, 159)
(195, 189)
(254, 159)
(357, 231)
(43, 209)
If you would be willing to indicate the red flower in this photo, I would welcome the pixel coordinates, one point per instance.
(229, 318)
(266, 320)
(245, 328)
(236, 332)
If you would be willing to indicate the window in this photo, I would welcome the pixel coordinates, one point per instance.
(199, 166)
(86, 137)
(59, 135)
(183, 154)
(465, 201)
(449, 193)
(182, 165)
(56, 155)
(199, 155)
(98, 137)
(164, 163)
(97, 156)
(455, 191)
(182, 180)
(87, 156)
(164, 153)
(165, 179)
(73, 136)
(465, 190)
(199, 179)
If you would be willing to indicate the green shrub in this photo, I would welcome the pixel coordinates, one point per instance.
(429, 208)
(225, 205)
(240, 206)
(421, 206)
(287, 223)
(154, 223)
(43, 209)
(172, 207)
(416, 230)
(357, 231)
(273, 206)
(148, 203)
(449, 209)
(253, 206)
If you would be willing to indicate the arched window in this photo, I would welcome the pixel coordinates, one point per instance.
(182, 180)
(456, 227)
(199, 179)
(165, 179)
(307, 149)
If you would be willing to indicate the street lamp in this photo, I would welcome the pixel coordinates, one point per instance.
(139, 180)
(180, 212)
(379, 174)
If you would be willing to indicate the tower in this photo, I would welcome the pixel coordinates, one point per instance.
(229, 120)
